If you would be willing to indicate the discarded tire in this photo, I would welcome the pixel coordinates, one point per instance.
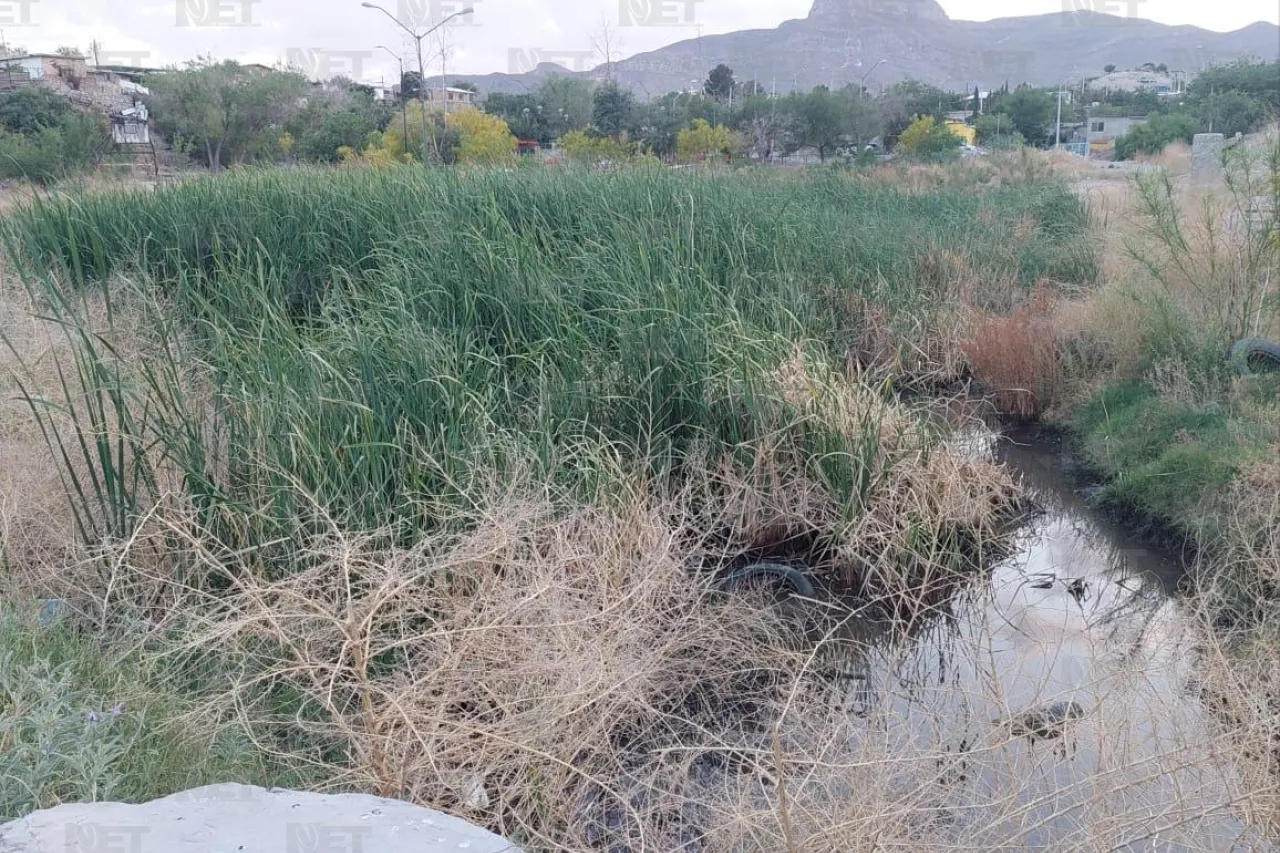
(774, 574)
(1045, 722)
(1255, 355)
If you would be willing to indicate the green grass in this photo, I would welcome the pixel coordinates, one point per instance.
(84, 721)
(388, 343)
(1165, 461)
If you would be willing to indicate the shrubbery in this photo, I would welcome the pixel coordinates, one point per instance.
(1154, 136)
(72, 144)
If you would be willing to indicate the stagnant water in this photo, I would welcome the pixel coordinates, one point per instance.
(1080, 613)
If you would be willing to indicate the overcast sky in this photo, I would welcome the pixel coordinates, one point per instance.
(339, 36)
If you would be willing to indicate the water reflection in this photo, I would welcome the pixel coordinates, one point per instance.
(1078, 614)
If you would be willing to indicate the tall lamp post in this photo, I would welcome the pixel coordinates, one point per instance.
(404, 115)
(422, 71)
(862, 83)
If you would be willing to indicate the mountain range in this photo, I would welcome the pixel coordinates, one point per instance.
(877, 42)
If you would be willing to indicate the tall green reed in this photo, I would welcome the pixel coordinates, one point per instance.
(380, 343)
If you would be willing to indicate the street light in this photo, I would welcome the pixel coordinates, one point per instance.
(404, 115)
(863, 82)
(422, 71)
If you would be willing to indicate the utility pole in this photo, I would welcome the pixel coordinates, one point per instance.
(422, 71)
(404, 115)
(1057, 136)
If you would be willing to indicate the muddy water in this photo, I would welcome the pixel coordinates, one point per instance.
(1081, 614)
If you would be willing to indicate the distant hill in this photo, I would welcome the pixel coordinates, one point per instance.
(841, 41)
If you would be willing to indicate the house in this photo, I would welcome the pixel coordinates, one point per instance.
(452, 99)
(47, 66)
(114, 91)
(1105, 130)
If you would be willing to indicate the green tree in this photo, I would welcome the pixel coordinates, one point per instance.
(908, 100)
(567, 102)
(701, 141)
(1259, 80)
(995, 130)
(30, 109)
(223, 108)
(822, 123)
(719, 83)
(1230, 112)
(926, 138)
(1154, 136)
(343, 114)
(1109, 68)
(611, 109)
(1031, 111)
(410, 85)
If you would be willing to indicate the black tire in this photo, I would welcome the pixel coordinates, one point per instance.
(1255, 355)
(778, 574)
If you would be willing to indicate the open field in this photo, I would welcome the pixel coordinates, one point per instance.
(417, 482)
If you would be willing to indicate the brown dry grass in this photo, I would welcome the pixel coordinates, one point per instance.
(559, 676)
(1018, 357)
(36, 526)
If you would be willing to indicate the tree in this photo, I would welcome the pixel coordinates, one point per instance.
(1031, 111)
(700, 141)
(995, 130)
(1109, 68)
(591, 148)
(224, 109)
(1230, 113)
(410, 85)
(906, 101)
(821, 123)
(482, 138)
(567, 103)
(402, 139)
(719, 84)
(926, 138)
(1154, 136)
(342, 114)
(1236, 98)
(28, 109)
(1249, 77)
(611, 109)
(70, 52)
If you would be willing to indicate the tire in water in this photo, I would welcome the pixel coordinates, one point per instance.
(777, 574)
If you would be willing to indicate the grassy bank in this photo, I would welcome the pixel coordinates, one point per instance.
(1168, 423)
(405, 474)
